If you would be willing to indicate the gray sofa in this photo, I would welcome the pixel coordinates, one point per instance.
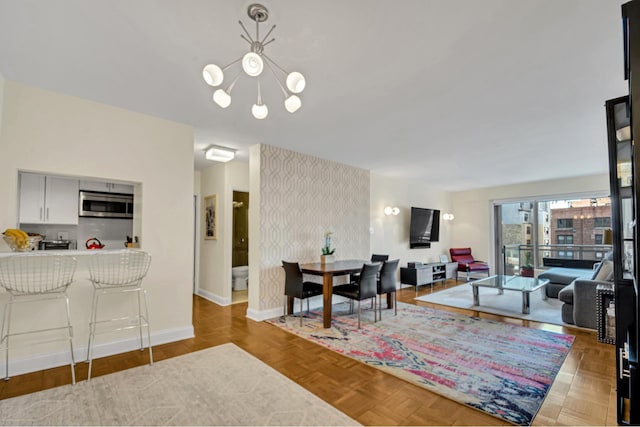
(561, 277)
(579, 295)
(579, 303)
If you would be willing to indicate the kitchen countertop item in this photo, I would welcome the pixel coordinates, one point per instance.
(34, 240)
(93, 243)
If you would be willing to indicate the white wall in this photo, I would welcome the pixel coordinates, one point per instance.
(473, 223)
(215, 255)
(1, 98)
(49, 132)
(391, 233)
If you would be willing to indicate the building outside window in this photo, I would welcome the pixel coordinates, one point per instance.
(565, 223)
(566, 228)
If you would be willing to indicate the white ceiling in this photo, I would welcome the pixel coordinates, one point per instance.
(459, 94)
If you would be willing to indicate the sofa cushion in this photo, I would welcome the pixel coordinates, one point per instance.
(566, 294)
(565, 276)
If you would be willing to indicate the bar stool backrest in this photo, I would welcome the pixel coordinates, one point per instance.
(121, 268)
(36, 273)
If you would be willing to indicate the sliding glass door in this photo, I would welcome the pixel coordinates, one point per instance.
(535, 234)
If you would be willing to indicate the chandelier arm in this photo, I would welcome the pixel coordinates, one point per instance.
(245, 30)
(259, 94)
(246, 39)
(275, 63)
(230, 88)
(265, 37)
(272, 40)
(229, 65)
(284, 91)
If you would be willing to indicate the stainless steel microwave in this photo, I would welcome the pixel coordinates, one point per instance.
(105, 205)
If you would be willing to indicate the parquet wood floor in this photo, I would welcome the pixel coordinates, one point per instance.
(582, 394)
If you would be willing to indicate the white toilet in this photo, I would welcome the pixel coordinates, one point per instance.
(240, 276)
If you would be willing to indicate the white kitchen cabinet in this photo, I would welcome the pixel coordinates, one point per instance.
(106, 187)
(48, 199)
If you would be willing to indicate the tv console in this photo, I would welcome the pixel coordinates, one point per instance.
(418, 273)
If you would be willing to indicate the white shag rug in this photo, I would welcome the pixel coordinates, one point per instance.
(508, 304)
(222, 385)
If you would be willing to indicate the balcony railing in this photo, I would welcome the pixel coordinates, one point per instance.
(515, 256)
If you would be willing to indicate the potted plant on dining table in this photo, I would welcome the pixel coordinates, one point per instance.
(327, 253)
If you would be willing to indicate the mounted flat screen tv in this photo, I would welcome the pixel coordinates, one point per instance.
(424, 228)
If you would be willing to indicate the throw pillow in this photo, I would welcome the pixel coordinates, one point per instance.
(596, 269)
(605, 274)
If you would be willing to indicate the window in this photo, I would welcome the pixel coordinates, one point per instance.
(565, 222)
(565, 239)
(550, 228)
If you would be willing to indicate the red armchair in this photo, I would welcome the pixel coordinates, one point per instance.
(466, 262)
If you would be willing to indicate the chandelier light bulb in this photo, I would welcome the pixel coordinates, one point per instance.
(395, 211)
(259, 111)
(292, 103)
(388, 210)
(296, 82)
(252, 64)
(222, 98)
(213, 75)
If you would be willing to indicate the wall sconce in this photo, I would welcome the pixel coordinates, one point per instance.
(448, 217)
(219, 154)
(391, 210)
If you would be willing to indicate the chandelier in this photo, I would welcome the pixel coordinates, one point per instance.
(253, 64)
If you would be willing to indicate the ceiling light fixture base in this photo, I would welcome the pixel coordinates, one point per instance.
(258, 12)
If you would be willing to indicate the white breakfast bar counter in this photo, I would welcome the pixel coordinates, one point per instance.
(28, 355)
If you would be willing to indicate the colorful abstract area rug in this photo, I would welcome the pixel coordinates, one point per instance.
(501, 369)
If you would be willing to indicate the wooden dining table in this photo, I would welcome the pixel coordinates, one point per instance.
(328, 272)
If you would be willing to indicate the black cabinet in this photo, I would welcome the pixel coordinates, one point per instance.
(623, 122)
(624, 204)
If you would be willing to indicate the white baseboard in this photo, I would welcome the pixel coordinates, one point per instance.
(61, 358)
(260, 315)
(214, 298)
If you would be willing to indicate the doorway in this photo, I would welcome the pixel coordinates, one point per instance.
(240, 247)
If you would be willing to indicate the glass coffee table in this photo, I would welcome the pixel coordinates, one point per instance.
(525, 285)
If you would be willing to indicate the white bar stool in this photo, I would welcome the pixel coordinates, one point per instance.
(119, 272)
(36, 277)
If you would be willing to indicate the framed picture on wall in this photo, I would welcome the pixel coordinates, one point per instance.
(211, 217)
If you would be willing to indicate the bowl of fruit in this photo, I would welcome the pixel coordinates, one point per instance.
(20, 241)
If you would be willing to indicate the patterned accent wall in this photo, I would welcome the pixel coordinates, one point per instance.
(302, 197)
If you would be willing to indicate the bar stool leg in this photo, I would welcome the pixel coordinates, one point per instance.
(146, 310)
(92, 332)
(140, 320)
(6, 318)
(70, 337)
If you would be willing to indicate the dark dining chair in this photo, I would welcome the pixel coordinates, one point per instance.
(379, 258)
(364, 288)
(374, 258)
(296, 287)
(387, 284)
